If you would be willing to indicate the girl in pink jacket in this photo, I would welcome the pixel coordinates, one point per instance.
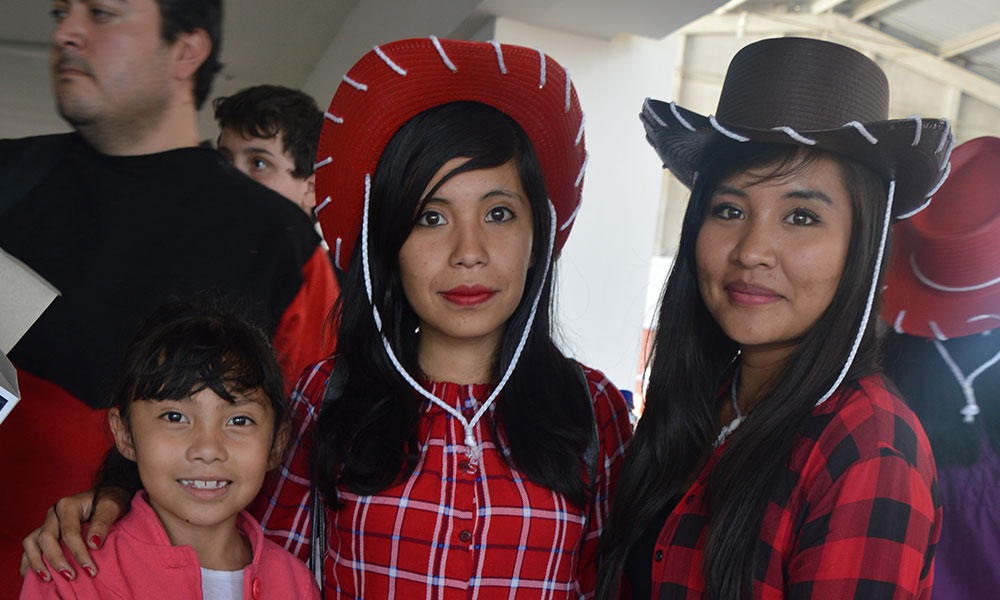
(198, 416)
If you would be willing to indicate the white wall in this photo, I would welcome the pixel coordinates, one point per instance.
(604, 269)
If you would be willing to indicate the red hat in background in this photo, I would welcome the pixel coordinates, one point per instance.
(944, 279)
(396, 81)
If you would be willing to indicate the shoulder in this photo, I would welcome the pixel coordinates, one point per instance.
(307, 395)
(610, 409)
(282, 573)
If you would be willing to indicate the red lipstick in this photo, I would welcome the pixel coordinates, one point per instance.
(468, 295)
(748, 294)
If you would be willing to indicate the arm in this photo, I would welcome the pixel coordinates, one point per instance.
(871, 533)
(282, 506)
(304, 334)
(615, 431)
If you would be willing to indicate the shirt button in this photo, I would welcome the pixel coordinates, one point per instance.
(463, 465)
(465, 535)
(255, 589)
(659, 555)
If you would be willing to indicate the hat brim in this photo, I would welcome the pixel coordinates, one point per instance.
(912, 152)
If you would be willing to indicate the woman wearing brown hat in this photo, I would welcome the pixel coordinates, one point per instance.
(771, 461)
(449, 448)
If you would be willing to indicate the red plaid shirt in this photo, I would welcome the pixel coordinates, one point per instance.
(857, 514)
(451, 530)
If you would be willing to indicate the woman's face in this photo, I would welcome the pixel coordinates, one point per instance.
(464, 264)
(770, 254)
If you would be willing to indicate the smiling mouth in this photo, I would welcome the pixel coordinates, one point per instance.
(205, 484)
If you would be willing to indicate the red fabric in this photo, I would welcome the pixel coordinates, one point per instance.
(304, 334)
(857, 515)
(138, 561)
(448, 530)
(50, 446)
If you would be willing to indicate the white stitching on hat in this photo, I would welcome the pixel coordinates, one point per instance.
(943, 288)
(726, 132)
(355, 84)
(583, 168)
(333, 117)
(936, 330)
(569, 86)
(680, 119)
(541, 67)
(947, 154)
(322, 205)
(945, 137)
(861, 129)
(389, 61)
(941, 180)
(871, 296)
(926, 203)
(694, 177)
(898, 323)
(336, 254)
(323, 163)
(982, 317)
(496, 46)
(647, 109)
(919, 128)
(579, 134)
(572, 217)
(444, 57)
(795, 135)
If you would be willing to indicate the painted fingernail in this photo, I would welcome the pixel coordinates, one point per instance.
(95, 541)
(90, 570)
(43, 575)
(67, 574)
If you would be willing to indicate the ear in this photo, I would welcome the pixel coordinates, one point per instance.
(123, 439)
(188, 52)
(279, 446)
(308, 200)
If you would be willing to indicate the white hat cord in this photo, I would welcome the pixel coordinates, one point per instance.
(971, 408)
(472, 448)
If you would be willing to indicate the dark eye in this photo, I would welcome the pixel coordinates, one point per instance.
(58, 14)
(802, 217)
(172, 416)
(726, 212)
(241, 421)
(259, 163)
(499, 214)
(431, 218)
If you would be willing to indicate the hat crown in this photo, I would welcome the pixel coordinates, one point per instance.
(802, 83)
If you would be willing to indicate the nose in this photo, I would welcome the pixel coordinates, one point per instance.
(207, 444)
(470, 248)
(69, 31)
(755, 246)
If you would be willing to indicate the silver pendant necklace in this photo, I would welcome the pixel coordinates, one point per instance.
(727, 430)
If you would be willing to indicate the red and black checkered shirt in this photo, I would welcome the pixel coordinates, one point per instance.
(856, 515)
(452, 529)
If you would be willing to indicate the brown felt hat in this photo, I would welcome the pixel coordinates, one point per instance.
(810, 93)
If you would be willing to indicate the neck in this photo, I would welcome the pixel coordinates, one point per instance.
(176, 127)
(220, 548)
(465, 361)
(759, 367)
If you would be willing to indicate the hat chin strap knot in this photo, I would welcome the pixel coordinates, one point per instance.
(473, 450)
(971, 408)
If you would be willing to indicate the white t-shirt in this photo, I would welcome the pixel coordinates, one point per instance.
(221, 585)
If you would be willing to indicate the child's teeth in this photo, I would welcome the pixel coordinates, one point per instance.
(204, 485)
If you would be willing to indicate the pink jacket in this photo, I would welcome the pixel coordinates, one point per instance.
(137, 561)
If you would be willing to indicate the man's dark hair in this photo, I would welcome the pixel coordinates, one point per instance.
(264, 111)
(185, 16)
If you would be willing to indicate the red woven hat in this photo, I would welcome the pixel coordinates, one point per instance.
(396, 81)
(944, 280)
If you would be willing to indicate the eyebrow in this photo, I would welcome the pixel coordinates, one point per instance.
(257, 150)
(488, 195)
(797, 194)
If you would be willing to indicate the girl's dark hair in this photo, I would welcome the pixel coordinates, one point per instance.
(928, 386)
(180, 350)
(366, 441)
(692, 356)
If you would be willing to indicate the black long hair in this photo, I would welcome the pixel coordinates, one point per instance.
(692, 356)
(181, 349)
(366, 441)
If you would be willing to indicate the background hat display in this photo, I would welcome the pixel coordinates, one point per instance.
(944, 279)
(809, 93)
(396, 81)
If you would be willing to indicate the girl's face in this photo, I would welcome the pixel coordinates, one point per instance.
(464, 264)
(201, 459)
(770, 255)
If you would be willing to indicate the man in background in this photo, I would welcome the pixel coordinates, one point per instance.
(121, 215)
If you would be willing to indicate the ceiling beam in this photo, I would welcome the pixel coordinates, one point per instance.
(822, 6)
(730, 6)
(970, 41)
(869, 7)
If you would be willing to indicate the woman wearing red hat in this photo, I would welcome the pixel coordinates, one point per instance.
(449, 447)
(771, 460)
(942, 299)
